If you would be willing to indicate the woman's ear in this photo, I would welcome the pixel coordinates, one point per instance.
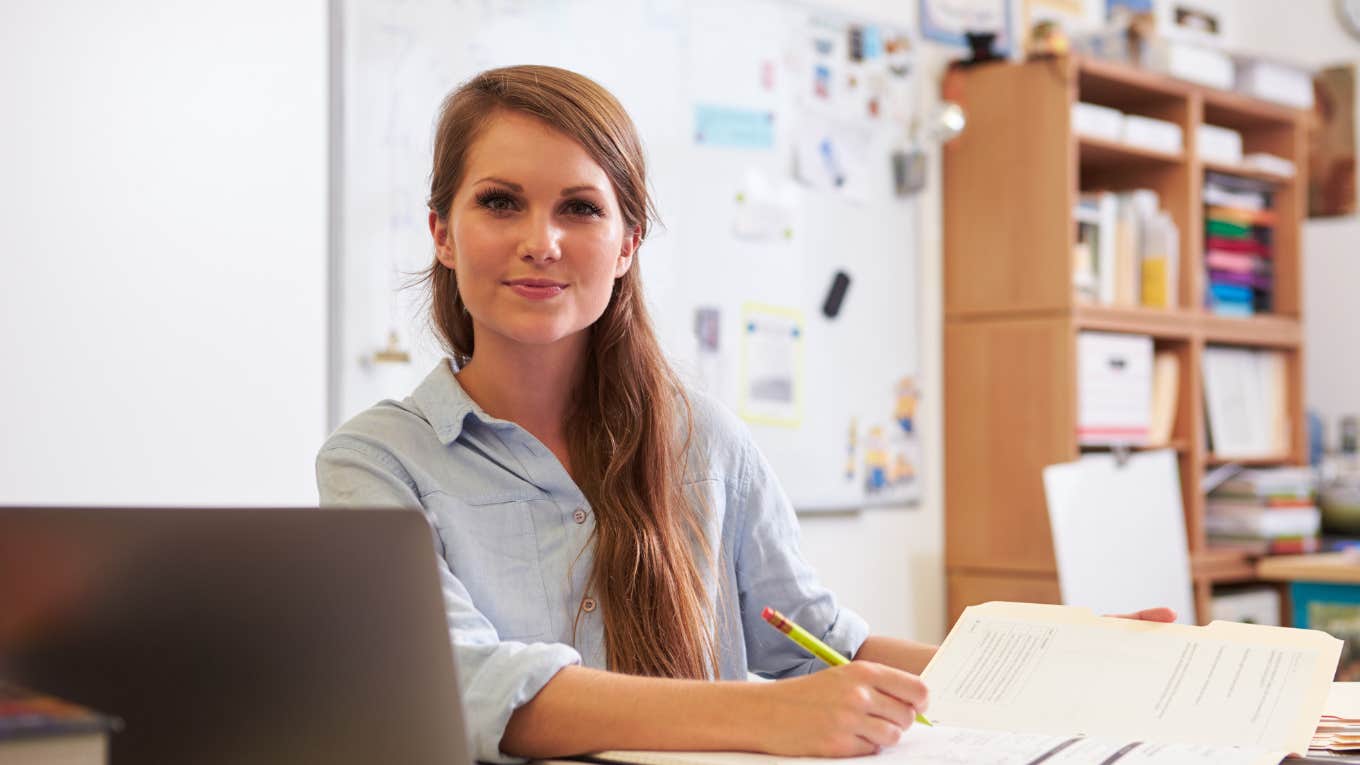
(443, 247)
(630, 244)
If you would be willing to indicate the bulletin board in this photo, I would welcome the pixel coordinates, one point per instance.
(783, 279)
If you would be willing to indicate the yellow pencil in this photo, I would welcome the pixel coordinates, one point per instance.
(813, 646)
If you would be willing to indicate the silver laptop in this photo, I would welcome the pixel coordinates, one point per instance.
(236, 635)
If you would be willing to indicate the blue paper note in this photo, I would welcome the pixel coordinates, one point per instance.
(873, 43)
(733, 127)
(1134, 6)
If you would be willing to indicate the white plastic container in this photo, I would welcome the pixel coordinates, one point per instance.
(1271, 81)
(1219, 144)
(1269, 163)
(1095, 121)
(1195, 63)
(1154, 134)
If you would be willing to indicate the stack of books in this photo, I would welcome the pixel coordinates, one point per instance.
(1266, 511)
(36, 729)
(1127, 251)
(1238, 223)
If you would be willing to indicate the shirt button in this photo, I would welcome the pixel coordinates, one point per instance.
(579, 516)
(588, 605)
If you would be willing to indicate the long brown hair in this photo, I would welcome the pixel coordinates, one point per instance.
(627, 436)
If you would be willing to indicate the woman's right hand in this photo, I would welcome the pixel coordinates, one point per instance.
(851, 710)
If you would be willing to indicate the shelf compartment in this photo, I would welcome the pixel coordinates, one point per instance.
(1248, 172)
(1100, 154)
(1335, 567)
(1178, 445)
(1268, 460)
(1239, 112)
(1264, 331)
(1125, 88)
(1216, 565)
(1167, 323)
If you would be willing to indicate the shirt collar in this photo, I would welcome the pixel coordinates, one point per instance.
(446, 405)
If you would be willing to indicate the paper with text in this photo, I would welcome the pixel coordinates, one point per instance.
(1060, 670)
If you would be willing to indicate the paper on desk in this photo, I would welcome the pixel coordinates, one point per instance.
(1339, 728)
(1343, 702)
(1054, 669)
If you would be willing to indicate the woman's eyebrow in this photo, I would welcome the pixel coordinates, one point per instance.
(513, 186)
(568, 191)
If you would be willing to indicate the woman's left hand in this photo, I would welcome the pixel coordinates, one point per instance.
(1159, 614)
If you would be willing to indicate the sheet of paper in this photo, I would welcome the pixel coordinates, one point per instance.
(733, 127)
(1243, 390)
(946, 745)
(1119, 533)
(772, 365)
(1343, 701)
(1061, 670)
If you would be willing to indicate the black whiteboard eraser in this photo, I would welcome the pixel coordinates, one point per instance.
(836, 295)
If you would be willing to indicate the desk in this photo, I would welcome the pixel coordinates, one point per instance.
(1324, 594)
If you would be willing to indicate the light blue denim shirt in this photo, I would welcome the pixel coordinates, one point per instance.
(514, 530)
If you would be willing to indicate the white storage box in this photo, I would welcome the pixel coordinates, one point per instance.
(1219, 144)
(1155, 134)
(1095, 121)
(1252, 606)
(1270, 163)
(1114, 388)
(1281, 83)
(1194, 63)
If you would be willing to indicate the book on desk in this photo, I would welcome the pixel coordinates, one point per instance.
(37, 729)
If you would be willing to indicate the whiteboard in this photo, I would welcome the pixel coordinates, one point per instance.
(770, 130)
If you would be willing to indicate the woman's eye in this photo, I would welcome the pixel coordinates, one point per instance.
(582, 207)
(496, 202)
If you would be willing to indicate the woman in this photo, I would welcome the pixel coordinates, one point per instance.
(610, 539)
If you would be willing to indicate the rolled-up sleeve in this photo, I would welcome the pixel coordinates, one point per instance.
(495, 677)
(772, 572)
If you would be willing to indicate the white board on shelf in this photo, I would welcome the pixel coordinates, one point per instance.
(1119, 533)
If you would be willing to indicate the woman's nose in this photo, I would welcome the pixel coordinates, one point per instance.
(541, 240)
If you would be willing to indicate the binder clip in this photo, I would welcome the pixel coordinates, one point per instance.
(1121, 452)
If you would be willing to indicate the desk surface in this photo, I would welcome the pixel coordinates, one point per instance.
(1339, 567)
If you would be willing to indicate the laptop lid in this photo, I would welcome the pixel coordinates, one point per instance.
(236, 635)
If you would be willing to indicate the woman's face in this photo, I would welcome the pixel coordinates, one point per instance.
(534, 235)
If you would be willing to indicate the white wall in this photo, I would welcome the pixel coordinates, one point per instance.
(162, 224)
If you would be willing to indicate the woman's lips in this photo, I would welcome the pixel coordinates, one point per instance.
(536, 289)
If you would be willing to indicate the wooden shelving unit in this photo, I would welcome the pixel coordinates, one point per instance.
(1011, 181)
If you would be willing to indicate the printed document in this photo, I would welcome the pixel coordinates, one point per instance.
(1063, 670)
(1023, 684)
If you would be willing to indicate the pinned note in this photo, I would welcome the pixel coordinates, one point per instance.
(733, 127)
(771, 365)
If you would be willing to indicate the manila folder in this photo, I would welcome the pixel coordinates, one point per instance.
(1063, 670)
